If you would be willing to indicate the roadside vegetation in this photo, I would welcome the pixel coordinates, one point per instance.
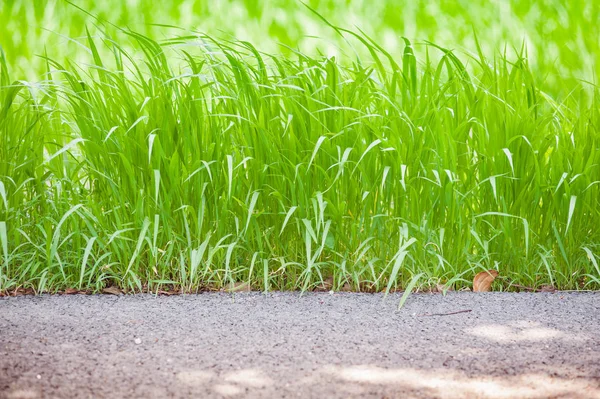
(195, 161)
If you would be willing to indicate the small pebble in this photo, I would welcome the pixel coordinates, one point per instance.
(137, 341)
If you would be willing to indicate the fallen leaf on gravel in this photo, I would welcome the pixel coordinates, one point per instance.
(71, 291)
(483, 281)
(112, 291)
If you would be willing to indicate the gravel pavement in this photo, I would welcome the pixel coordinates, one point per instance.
(318, 345)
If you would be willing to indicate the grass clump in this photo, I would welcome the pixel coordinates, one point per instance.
(198, 162)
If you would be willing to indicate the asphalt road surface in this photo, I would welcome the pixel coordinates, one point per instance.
(320, 345)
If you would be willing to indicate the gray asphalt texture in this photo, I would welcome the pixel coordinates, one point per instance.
(319, 345)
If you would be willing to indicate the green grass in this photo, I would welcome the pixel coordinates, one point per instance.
(196, 162)
(561, 36)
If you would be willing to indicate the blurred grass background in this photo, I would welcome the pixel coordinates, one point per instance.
(561, 38)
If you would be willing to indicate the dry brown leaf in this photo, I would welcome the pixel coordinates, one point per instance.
(71, 291)
(483, 281)
(112, 291)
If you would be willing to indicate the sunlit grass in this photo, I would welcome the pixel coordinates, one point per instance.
(561, 37)
(197, 162)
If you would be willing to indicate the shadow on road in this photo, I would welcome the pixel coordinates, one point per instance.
(315, 346)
